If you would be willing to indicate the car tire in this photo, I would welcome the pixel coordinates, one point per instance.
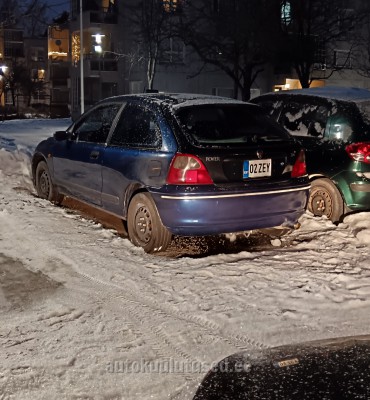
(325, 199)
(44, 185)
(144, 225)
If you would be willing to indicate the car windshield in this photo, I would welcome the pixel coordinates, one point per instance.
(231, 125)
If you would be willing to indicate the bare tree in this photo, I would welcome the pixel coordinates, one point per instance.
(30, 16)
(311, 29)
(235, 36)
(361, 54)
(8, 13)
(34, 17)
(152, 20)
(133, 58)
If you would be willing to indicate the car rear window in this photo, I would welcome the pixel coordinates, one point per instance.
(232, 125)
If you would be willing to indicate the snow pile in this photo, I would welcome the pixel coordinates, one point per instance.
(18, 139)
(360, 227)
(17, 165)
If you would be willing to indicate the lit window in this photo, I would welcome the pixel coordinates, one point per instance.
(41, 74)
(171, 5)
(98, 42)
(109, 5)
(286, 13)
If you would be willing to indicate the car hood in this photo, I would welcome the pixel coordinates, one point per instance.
(330, 369)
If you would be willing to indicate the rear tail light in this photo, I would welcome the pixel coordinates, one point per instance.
(299, 167)
(188, 169)
(359, 152)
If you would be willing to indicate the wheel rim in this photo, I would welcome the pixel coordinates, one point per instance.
(44, 184)
(143, 224)
(322, 203)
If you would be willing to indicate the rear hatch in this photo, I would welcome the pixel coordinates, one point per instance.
(238, 143)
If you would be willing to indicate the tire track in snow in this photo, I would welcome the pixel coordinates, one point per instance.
(150, 312)
(231, 338)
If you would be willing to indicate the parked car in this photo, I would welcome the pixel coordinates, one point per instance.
(176, 164)
(333, 126)
(332, 369)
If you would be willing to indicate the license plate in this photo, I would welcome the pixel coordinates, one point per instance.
(256, 168)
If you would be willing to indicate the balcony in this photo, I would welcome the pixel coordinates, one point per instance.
(103, 16)
(101, 64)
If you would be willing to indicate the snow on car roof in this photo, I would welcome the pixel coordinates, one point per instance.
(204, 101)
(334, 92)
(177, 100)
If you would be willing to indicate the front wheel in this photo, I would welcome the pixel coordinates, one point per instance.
(44, 186)
(144, 225)
(325, 199)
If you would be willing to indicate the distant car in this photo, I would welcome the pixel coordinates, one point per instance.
(176, 164)
(333, 126)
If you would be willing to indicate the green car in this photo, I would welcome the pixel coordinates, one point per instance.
(333, 126)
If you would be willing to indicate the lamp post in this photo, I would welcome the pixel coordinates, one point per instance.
(82, 87)
(3, 69)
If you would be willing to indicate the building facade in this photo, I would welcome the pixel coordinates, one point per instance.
(101, 45)
(115, 61)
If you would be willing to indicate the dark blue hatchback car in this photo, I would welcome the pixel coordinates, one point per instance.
(176, 164)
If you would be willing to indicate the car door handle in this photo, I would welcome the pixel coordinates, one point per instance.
(94, 155)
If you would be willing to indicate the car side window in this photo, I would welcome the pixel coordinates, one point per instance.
(95, 127)
(137, 127)
(339, 127)
(304, 119)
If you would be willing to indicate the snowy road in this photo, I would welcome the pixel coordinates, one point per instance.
(84, 314)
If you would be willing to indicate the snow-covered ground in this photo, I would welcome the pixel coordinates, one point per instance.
(86, 315)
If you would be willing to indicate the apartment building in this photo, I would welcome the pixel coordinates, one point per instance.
(114, 61)
(101, 36)
(59, 61)
(23, 69)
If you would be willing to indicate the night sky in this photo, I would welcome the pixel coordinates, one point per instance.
(56, 7)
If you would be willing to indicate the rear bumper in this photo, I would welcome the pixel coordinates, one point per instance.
(355, 188)
(358, 196)
(206, 214)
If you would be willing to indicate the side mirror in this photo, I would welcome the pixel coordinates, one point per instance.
(61, 135)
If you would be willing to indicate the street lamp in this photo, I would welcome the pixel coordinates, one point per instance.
(98, 48)
(82, 88)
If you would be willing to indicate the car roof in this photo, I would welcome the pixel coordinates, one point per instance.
(352, 94)
(176, 100)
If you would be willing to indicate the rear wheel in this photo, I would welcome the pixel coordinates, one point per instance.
(44, 186)
(325, 199)
(144, 225)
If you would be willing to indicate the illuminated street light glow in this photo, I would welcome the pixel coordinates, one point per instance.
(98, 38)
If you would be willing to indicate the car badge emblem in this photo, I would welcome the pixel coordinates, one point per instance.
(259, 154)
